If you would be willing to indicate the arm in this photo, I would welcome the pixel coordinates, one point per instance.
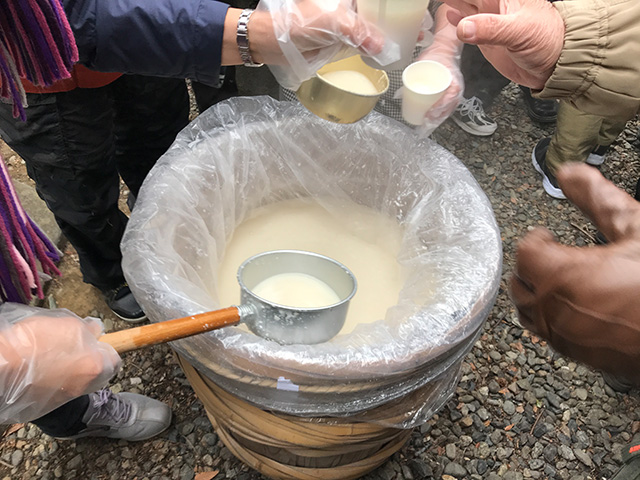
(181, 39)
(598, 65)
(193, 38)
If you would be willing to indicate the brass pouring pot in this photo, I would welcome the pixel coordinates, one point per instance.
(336, 104)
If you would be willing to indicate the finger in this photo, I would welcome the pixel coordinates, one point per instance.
(613, 210)
(463, 7)
(487, 29)
(538, 258)
(454, 17)
(95, 326)
(361, 34)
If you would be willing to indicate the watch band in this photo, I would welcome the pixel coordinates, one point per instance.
(242, 39)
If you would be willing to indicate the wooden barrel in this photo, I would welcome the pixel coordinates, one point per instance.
(287, 447)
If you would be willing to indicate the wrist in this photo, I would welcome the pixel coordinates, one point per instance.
(242, 39)
(262, 40)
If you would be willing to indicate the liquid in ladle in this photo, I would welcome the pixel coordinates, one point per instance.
(297, 290)
(351, 81)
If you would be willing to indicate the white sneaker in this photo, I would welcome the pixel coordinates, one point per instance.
(128, 416)
(470, 117)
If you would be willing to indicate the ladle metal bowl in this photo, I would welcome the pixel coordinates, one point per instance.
(281, 323)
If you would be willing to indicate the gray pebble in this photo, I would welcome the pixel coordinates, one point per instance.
(16, 457)
(450, 451)
(508, 407)
(455, 470)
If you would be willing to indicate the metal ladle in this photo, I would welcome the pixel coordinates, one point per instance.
(281, 323)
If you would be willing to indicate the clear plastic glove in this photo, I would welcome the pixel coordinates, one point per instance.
(445, 49)
(585, 301)
(48, 357)
(312, 33)
(521, 38)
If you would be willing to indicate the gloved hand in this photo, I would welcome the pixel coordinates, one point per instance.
(311, 33)
(445, 49)
(586, 301)
(48, 357)
(521, 38)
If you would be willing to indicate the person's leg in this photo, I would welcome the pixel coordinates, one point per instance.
(609, 131)
(66, 420)
(67, 144)
(482, 80)
(541, 111)
(149, 113)
(575, 136)
(127, 416)
(483, 84)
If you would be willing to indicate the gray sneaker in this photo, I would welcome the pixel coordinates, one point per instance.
(471, 118)
(127, 416)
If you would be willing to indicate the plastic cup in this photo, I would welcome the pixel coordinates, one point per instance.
(424, 83)
(400, 20)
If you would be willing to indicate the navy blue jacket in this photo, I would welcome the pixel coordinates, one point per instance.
(162, 38)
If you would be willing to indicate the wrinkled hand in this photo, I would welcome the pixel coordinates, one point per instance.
(586, 301)
(49, 359)
(311, 33)
(521, 38)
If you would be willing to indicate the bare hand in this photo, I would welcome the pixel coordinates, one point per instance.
(521, 38)
(585, 301)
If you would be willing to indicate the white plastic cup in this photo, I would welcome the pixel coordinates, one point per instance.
(424, 83)
(400, 20)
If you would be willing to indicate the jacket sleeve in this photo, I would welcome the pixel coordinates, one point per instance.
(599, 67)
(165, 38)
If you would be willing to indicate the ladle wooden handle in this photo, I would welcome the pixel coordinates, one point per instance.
(146, 335)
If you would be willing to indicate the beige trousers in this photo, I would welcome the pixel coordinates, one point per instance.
(577, 133)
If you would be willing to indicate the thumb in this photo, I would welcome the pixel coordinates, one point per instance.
(487, 29)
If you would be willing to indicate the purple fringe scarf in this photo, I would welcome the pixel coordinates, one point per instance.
(22, 247)
(36, 43)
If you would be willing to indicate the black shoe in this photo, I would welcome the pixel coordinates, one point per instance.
(600, 238)
(549, 181)
(618, 384)
(121, 302)
(542, 111)
(131, 201)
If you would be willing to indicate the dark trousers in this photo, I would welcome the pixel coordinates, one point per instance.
(76, 145)
(480, 78)
(65, 420)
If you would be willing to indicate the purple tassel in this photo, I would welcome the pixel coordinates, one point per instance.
(38, 45)
(20, 236)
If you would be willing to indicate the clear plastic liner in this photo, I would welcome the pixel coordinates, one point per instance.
(252, 151)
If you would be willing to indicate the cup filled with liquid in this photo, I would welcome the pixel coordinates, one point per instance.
(423, 84)
(344, 91)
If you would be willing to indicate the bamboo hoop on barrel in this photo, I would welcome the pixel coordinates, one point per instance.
(287, 447)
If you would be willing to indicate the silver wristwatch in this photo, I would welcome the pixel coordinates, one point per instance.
(242, 39)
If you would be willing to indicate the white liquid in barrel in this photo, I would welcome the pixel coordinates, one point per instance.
(297, 290)
(351, 81)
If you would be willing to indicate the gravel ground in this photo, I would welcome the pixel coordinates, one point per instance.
(520, 411)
